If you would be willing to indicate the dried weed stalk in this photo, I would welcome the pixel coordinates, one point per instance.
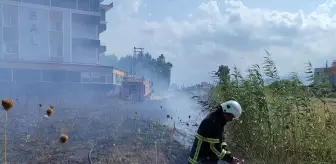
(7, 104)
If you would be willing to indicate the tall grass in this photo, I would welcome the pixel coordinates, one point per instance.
(284, 122)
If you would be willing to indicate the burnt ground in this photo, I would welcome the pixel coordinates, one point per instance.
(116, 129)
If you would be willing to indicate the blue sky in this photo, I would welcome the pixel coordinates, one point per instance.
(198, 35)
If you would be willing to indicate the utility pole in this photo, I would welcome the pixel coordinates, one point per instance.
(136, 53)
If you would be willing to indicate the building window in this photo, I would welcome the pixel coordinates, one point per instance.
(8, 20)
(10, 40)
(39, 2)
(85, 77)
(33, 28)
(84, 5)
(85, 52)
(64, 3)
(55, 21)
(56, 50)
(33, 40)
(97, 77)
(53, 76)
(73, 76)
(27, 75)
(32, 15)
(33, 34)
(84, 30)
(109, 79)
(10, 48)
(10, 15)
(72, 4)
(56, 33)
(94, 5)
(58, 3)
(55, 25)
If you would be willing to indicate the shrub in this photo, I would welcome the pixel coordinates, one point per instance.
(284, 122)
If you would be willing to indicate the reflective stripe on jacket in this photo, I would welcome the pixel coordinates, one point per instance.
(208, 141)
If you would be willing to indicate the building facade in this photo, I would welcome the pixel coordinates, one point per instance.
(329, 72)
(52, 30)
(53, 38)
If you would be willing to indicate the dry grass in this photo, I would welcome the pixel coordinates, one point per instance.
(42, 134)
(332, 103)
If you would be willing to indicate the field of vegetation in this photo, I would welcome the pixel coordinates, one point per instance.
(284, 121)
(72, 132)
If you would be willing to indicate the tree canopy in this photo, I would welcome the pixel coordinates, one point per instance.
(223, 73)
(158, 70)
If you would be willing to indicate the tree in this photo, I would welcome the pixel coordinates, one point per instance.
(223, 73)
(163, 71)
(109, 60)
(158, 70)
(322, 85)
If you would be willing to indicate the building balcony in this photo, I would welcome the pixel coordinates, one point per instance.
(56, 59)
(102, 27)
(103, 10)
(8, 56)
(86, 42)
(82, 5)
(102, 49)
(83, 18)
(102, 16)
(106, 7)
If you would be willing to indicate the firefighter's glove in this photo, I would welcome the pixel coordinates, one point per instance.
(224, 145)
(228, 157)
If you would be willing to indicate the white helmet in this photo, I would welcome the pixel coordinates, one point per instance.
(232, 107)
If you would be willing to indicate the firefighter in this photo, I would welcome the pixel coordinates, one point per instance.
(208, 146)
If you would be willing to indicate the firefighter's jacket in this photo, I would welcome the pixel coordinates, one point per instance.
(208, 145)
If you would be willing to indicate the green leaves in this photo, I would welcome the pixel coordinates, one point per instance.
(158, 70)
(283, 121)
